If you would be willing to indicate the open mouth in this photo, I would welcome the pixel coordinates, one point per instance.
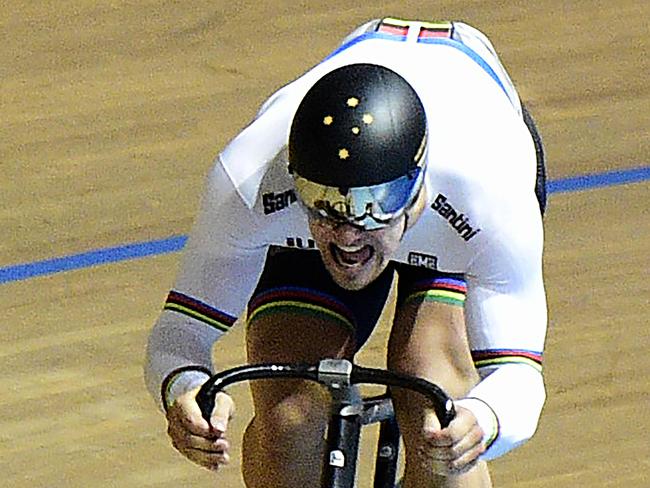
(351, 256)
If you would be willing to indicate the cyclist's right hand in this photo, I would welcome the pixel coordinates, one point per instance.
(202, 443)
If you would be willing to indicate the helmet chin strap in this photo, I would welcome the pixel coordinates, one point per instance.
(406, 224)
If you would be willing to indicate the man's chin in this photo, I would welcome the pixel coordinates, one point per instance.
(351, 284)
(352, 279)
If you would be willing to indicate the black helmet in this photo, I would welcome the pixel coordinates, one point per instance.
(357, 145)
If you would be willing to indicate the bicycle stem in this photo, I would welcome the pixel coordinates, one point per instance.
(343, 433)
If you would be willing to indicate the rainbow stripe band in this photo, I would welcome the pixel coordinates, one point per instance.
(497, 357)
(493, 435)
(436, 29)
(302, 301)
(443, 290)
(496, 427)
(186, 305)
(399, 27)
(393, 27)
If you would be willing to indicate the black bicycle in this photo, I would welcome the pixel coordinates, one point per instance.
(350, 411)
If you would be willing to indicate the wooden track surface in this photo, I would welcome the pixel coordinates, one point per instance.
(111, 114)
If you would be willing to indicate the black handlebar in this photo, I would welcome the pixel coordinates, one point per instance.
(442, 403)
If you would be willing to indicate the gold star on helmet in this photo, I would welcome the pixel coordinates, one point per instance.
(344, 153)
(356, 130)
(352, 102)
(368, 119)
(328, 120)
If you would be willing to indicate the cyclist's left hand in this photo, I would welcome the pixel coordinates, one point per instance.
(456, 448)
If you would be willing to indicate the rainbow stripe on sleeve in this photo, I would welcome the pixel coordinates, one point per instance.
(191, 307)
(496, 357)
(442, 289)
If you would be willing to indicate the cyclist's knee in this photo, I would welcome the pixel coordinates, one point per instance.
(285, 431)
(303, 413)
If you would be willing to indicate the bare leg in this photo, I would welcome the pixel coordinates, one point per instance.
(429, 340)
(283, 445)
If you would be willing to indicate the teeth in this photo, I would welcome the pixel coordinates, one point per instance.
(351, 256)
(350, 248)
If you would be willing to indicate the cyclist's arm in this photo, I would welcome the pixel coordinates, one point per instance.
(222, 260)
(506, 317)
(219, 269)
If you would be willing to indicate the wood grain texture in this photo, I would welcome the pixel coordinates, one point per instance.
(112, 112)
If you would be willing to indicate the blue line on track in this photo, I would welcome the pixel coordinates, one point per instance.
(91, 258)
(598, 180)
(138, 250)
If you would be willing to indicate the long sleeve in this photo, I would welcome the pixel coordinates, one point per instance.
(218, 271)
(507, 320)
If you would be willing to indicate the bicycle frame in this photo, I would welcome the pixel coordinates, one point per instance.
(350, 411)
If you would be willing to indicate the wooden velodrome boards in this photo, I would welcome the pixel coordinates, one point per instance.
(111, 113)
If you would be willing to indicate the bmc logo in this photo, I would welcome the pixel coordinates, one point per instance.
(459, 221)
(423, 260)
(274, 202)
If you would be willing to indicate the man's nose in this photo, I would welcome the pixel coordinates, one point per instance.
(347, 233)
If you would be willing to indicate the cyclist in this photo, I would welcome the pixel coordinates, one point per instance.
(406, 153)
